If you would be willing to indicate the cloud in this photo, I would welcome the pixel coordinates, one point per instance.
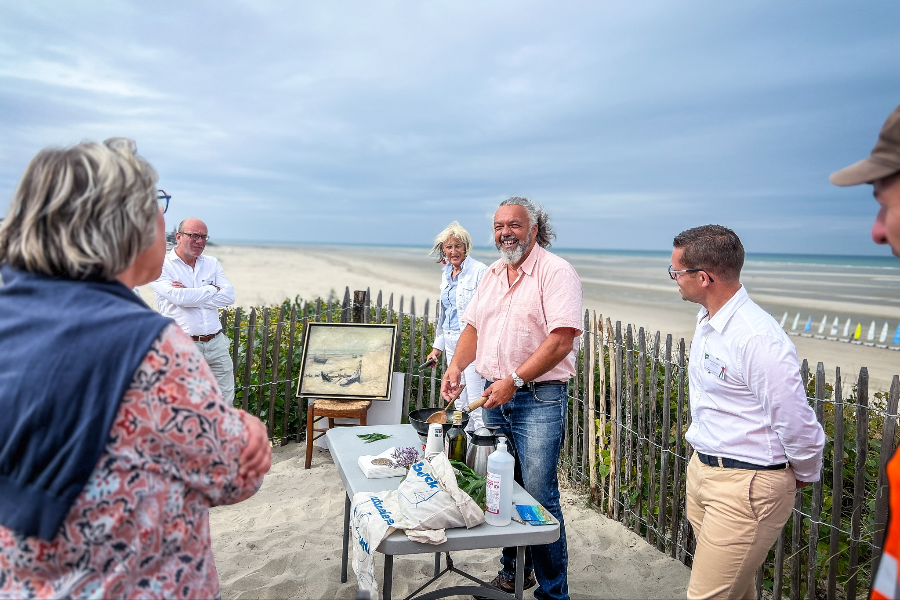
(377, 123)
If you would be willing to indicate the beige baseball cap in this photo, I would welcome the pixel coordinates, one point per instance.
(884, 160)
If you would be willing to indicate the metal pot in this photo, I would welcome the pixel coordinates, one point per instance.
(480, 447)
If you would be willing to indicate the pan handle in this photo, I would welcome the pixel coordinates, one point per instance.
(477, 404)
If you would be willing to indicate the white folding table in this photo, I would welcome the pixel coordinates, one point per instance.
(346, 448)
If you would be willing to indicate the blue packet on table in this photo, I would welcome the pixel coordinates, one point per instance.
(534, 514)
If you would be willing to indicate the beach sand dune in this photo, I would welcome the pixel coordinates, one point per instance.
(285, 542)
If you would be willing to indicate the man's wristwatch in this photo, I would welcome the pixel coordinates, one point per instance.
(517, 380)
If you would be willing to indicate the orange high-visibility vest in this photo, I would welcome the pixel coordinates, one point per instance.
(886, 581)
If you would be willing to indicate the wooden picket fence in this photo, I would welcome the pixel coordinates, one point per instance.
(624, 445)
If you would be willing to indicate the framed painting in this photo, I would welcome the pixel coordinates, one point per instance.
(347, 361)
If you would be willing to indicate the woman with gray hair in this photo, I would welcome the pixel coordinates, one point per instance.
(459, 280)
(115, 439)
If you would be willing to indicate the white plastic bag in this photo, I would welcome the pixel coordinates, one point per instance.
(426, 503)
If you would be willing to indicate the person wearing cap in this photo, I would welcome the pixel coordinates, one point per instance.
(882, 170)
(756, 437)
(191, 290)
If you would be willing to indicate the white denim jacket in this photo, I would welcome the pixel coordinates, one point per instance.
(466, 284)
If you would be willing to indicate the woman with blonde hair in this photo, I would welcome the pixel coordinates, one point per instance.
(115, 439)
(459, 280)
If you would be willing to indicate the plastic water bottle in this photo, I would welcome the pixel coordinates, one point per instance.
(500, 468)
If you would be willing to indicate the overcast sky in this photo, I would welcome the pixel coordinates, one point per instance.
(381, 122)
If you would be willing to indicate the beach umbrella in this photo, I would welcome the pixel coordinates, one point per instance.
(847, 328)
(858, 331)
(871, 335)
(897, 335)
(834, 326)
(808, 325)
(783, 320)
(796, 320)
(822, 324)
(883, 335)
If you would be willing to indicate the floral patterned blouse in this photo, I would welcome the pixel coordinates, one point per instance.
(140, 527)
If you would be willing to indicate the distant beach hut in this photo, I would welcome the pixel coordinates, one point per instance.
(884, 332)
(822, 324)
(858, 331)
(808, 325)
(783, 319)
(847, 328)
(796, 321)
(834, 326)
(897, 335)
(870, 337)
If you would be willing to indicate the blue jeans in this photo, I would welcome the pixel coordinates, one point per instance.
(534, 423)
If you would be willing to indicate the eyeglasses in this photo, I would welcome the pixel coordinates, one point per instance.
(673, 273)
(195, 236)
(163, 199)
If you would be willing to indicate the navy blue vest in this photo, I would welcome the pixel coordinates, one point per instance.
(68, 353)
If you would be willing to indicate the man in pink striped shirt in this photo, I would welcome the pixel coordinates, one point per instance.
(523, 324)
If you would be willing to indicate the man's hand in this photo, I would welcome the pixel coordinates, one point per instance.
(500, 392)
(178, 284)
(256, 456)
(801, 484)
(450, 382)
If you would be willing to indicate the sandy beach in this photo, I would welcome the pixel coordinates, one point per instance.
(629, 288)
(285, 542)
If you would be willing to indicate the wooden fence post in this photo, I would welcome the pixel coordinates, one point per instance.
(797, 528)
(640, 453)
(652, 391)
(236, 340)
(666, 433)
(263, 361)
(359, 305)
(276, 359)
(615, 481)
(420, 358)
(837, 489)
(289, 379)
(816, 512)
(248, 359)
(859, 479)
(345, 306)
(591, 429)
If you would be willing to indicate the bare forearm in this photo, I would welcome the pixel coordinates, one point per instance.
(466, 348)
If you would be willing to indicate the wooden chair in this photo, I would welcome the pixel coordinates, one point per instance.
(331, 410)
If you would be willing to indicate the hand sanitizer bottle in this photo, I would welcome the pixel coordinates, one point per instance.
(499, 486)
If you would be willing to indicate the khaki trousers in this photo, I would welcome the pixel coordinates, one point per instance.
(736, 515)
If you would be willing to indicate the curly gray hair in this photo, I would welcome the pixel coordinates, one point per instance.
(82, 213)
(536, 215)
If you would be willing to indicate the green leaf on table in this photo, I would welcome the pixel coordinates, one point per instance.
(368, 438)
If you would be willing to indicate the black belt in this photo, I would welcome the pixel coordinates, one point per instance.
(730, 463)
(533, 385)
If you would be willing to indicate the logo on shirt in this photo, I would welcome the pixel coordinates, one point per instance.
(714, 366)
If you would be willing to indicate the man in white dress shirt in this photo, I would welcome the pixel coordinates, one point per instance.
(755, 435)
(191, 290)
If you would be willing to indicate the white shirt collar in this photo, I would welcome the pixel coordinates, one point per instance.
(721, 318)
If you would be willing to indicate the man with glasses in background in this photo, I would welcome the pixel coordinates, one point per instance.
(191, 290)
(756, 437)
